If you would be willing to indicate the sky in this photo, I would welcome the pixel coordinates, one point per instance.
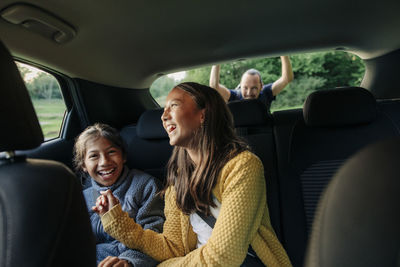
(178, 75)
(33, 71)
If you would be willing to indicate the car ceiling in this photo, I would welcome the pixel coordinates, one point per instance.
(131, 43)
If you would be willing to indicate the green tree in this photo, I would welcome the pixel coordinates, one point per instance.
(297, 91)
(161, 87)
(312, 71)
(342, 69)
(199, 75)
(44, 86)
(24, 71)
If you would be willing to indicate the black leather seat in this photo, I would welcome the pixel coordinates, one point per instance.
(358, 218)
(43, 217)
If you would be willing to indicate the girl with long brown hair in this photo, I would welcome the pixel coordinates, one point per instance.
(211, 174)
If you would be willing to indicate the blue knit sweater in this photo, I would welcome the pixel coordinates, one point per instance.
(136, 191)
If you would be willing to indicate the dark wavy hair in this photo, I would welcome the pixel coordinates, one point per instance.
(217, 143)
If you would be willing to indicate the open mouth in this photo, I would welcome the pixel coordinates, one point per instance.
(106, 173)
(170, 128)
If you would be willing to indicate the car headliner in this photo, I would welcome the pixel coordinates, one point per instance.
(131, 43)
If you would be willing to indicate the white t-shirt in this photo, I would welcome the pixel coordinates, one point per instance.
(200, 227)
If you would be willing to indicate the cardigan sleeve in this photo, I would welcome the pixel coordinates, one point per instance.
(241, 186)
(160, 246)
(243, 201)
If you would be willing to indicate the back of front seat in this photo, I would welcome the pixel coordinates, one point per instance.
(43, 217)
(358, 217)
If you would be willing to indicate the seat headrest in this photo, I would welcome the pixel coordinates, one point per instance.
(358, 218)
(339, 107)
(21, 129)
(149, 125)
(250, 112)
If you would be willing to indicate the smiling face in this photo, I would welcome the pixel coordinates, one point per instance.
(181, 117)
(250, 86)
(103, 161)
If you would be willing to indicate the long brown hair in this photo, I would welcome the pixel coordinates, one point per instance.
(217, 143)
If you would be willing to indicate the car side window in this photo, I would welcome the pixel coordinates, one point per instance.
(47, 99)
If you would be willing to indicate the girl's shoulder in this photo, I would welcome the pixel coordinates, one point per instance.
(139, 174)
(244, 166)
(142, 178)
(244, 158)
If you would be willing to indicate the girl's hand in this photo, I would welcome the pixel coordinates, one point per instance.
(101, 205)
(105, 202)
(114, 261)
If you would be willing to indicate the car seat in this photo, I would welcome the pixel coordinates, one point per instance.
(43, 217)
(357, 220)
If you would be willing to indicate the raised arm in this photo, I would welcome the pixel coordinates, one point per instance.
(214, 83)
(286, 78)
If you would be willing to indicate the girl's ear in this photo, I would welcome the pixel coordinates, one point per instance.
(84, 168)
(203, 115)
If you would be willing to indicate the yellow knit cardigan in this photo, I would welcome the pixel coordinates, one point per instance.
(243, 220)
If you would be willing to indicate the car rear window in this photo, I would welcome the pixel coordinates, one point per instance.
(312, 72)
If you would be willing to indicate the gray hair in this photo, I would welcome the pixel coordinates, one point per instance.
(250, 72)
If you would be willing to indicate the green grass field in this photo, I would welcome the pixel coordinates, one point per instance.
(50, 114)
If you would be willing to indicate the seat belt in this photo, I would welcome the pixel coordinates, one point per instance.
(210, 220)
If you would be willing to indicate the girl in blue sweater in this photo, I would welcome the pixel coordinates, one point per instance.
(99, 152)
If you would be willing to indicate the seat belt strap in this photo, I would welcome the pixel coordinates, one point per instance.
(210, 220)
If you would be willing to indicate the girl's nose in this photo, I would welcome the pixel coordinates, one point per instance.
(165, 115)
(104, 159)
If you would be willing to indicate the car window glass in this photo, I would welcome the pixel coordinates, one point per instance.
(312, 71)
(46, 96)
